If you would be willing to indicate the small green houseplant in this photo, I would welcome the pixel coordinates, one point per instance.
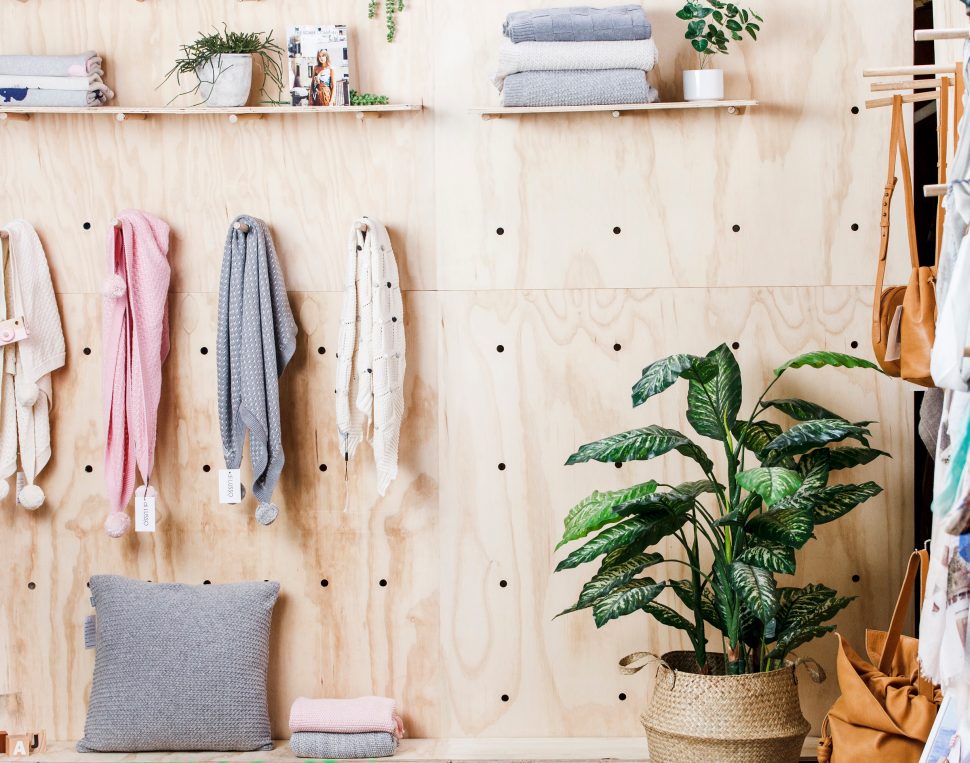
(711, 26)
(391, 9)
(221, 64)
(736, 532)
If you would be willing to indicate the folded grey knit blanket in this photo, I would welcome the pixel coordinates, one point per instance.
(578, 24)
(51, 66)
(23, 96)
(604, 87)
(317, 744)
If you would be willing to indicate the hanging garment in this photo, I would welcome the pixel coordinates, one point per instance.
(26, 393)
(370, 371)
(256, 340)
(135, 344)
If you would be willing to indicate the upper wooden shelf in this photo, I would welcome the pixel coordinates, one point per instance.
(122, 114)
(732, 107)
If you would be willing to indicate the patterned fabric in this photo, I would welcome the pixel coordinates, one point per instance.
(256, 339)
(370, 370)
(578, 24)
(346, 716)
(309, 744)
(23, 96)
(605, 87)
(179, 667)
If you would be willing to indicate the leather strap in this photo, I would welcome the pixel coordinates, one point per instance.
(918, 562)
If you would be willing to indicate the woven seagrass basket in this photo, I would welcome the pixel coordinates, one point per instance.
(752, 718)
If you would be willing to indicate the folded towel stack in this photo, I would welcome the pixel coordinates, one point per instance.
(48, 81)
(367, 727)
(576, 57)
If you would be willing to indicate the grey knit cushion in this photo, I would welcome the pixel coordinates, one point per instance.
(179, 667)
(325, 746)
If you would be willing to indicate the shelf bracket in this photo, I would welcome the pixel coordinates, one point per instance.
(124, 116)
(234, 118)
(10, 116)
(362, 115)
(736, 110)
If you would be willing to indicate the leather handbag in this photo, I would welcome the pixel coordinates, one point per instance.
(915, 302)
(886, 709)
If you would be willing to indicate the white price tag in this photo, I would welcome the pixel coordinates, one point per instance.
(145, 514)
(229, 485)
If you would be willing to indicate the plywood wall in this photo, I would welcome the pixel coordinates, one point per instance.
(577, 308)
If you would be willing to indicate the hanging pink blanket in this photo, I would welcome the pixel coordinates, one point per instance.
(346, 716)
(135, 343)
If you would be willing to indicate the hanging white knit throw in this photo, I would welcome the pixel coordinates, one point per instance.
(371, 354)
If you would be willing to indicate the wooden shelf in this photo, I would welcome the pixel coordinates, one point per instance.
(518, 750)
(731, 107)
(123, 114)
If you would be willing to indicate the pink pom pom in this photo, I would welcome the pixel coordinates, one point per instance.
(117, 524)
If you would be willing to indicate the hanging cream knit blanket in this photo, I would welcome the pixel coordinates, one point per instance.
(371, 362)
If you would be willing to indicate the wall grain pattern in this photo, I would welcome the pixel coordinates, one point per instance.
(462, 631)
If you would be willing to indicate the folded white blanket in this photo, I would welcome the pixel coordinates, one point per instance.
(569, 56)
(88, 83)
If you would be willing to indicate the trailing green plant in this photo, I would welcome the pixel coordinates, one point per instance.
(368, 99)
(208, 47)
(737, 534)
(391, 9)
(712, 24)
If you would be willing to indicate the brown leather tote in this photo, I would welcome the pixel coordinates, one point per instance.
(887, 708)
(918, 297)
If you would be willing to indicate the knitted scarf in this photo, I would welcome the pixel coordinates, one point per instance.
(135, 344)
(371, 361)
(25, 392)
(256, 339)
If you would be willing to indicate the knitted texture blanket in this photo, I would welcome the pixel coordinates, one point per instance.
(26, 394)
(346, 716)
(572, 56)
(135, 343)
(309, 744)
(371, 360)
(605, 87)
(51, 66)
(578, 24)
(256, 339)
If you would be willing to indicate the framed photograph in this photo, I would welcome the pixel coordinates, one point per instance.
(945, 744)
(319, 64)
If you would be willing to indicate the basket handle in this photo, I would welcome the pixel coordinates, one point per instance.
(815, 671)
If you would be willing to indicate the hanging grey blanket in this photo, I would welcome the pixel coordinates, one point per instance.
(605, 87)
(325, 746)
(578, 24)
(256, 339)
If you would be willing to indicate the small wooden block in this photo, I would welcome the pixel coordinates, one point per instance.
(18, 745)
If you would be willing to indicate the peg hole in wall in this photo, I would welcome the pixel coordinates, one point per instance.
(854, 227)
(206, 468)
(500, 231)
(503, 584)
(206, 582)
(324, 583)
(505, 697)
(86, 350)
(622, 696)
(618, 464)
(617, 347)
(501, 466)
(736, 228)
(617, 230)
(500, 348)
(88, 584)
(323, 467)
(321, 350)
(735, 345)
(88, 468)
(382, 583)
(86, 226)
(854, 344)
(856, 578)
(204, 350)
(31, 585)
(854, 109)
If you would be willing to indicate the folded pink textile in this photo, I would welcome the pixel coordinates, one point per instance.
(346, 716)
(135, 343)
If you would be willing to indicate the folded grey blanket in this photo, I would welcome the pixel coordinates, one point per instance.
(318, 744)
(604, 87)
(51, 66)
(23, 96)
(578, 24)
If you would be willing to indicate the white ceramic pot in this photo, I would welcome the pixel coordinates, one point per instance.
(703, 85)
(226, 80)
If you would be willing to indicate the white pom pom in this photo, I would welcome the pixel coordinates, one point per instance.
(27, 393)
(114, 287)
(117, 524)
(266, 513)
(4, 489)
(31, 497)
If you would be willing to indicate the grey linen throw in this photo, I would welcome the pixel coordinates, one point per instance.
(314, 744)
(604, 87)
(51, 66)
(578, 24)
(256, 339)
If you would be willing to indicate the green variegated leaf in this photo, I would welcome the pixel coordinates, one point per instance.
(712, 405)
(625, 599)
(790, 525)
(684, 591)
(770, 482)
(814, 468)
(801, 410)
(807, 435)
(696, 488)
(846, 458)
(811, 605)
(640, 445)
(597, 510)
(822, 358)
(670, 502)
(637, 531)
(757, 589)
(756, 435)
(612, 577)
(668, 616)
(770, 555)
(791, 640)
(661, 374)
(838, 500)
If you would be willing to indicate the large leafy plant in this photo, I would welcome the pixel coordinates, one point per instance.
(712, 25)
(735, 534)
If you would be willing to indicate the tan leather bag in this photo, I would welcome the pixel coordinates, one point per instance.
(887, 709)
(918, 297)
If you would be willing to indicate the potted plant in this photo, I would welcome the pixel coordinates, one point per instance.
(736, 533)
(711, 25)
(222, 65)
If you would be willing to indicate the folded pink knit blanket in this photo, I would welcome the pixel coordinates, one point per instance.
(346, 716)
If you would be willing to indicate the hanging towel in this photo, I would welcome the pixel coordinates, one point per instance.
(135, 344)
(51, 66)
(256, 339)
(346, 716)
(577, 24)
(26, 393)
(604, 87)
(323, 746)
(572, 56)
(371, 360)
